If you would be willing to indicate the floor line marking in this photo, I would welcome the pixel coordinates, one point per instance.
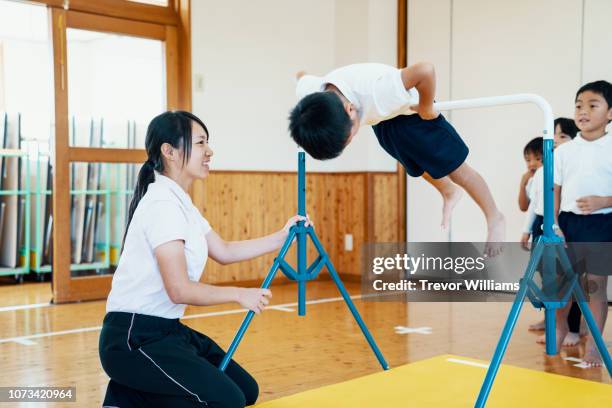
(26, 340)
(282, 309)
(410, 330)
(24, 307)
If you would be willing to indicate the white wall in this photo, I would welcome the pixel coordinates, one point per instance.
(428, 40)
(494, 47)
(597, 41)
(247, 54)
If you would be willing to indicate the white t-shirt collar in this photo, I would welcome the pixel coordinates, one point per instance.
(582, 140)
(174, 188)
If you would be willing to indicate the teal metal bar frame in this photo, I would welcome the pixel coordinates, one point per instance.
(549, 248)
(304, 273)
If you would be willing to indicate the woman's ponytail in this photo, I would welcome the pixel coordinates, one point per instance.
(146, 176)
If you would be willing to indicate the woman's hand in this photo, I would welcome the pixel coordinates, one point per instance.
(254, 299)
(293, 221)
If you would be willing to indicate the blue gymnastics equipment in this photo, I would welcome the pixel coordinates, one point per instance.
(304, 273)
(549, 249)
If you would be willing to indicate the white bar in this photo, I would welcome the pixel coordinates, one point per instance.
(548, 130)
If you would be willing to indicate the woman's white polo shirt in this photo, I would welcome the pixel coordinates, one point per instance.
(165, 213)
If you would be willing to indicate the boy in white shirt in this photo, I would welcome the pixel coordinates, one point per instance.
(332, 108)
(532, 153)
(565, 130)
(583, 202)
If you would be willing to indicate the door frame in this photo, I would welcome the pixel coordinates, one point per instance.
(174, 32)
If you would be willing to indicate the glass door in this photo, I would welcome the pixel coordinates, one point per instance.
(112, 76)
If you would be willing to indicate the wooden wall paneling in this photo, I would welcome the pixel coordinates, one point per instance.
(386, 209)
(351, 196)
(251, 204)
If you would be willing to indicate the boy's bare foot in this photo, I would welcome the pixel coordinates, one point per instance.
(584, 329)
(451, 198)
(496, 233)
(571, 339)
(562, 330)
(591, 355)
(539, 326)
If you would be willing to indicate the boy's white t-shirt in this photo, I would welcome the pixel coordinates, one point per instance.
(584, 168)
(376, 90)
(165, 213)
(535, 192)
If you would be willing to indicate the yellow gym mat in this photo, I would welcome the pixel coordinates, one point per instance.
(452, 381)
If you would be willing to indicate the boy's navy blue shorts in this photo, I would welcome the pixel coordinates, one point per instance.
(431, 146)
(591, 236)
(536, 228)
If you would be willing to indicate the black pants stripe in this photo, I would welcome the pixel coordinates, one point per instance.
(157, 362)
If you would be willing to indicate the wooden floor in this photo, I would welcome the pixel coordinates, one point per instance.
(284, 352)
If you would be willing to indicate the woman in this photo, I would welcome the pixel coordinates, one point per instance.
(150, 356)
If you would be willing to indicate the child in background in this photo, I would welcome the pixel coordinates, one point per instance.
(532, 153)
(565, 130)
(583, 202)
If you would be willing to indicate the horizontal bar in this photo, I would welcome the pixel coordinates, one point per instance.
(12, 153)
(110, 191)
(13, 192)
(548, 131)
(19, 270)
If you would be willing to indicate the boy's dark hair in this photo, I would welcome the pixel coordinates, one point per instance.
(568, 126)
(320, 125)
(535, 146)
(602, 87)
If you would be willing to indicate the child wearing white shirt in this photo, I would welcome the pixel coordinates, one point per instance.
(583, 202)
(532, 153)
(333, 107)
